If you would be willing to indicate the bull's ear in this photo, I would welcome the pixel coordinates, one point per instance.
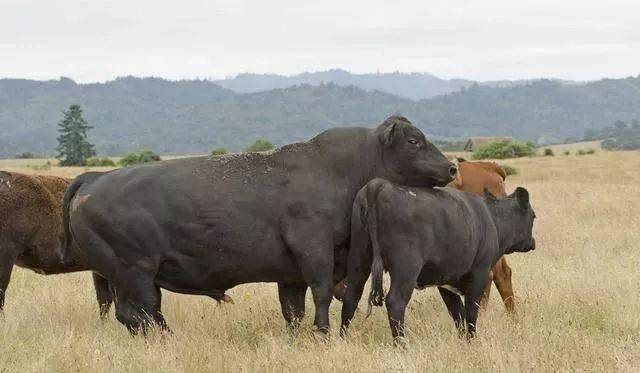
(488, 195)
(5, 181)
(522, 196)
(386, 136)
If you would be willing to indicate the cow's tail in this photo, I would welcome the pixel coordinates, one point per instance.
(64, 236)
(376, 296)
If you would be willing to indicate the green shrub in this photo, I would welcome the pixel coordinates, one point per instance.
(581, 152)
(144, 156)
(219, 151)
(590, 151)
(548, 152)
(100, 162)
(567, 152)
(260, 145)
(504, 149)
(509, 170)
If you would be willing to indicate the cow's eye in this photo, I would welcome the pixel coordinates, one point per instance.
(413, 141)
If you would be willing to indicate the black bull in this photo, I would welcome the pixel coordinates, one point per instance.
(203, 225)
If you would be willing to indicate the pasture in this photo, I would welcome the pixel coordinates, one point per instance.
(577, 302)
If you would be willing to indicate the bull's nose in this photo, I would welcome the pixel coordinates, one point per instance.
(453, 170)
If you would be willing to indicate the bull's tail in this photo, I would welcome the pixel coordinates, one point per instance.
(64, 236)
(376, 296)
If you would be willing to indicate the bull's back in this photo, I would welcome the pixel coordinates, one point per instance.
(198, 220)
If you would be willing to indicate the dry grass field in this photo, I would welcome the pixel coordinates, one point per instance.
(578, 302)
(573, 147)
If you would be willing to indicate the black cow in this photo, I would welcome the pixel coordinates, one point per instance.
(203, 225)
(431, 237)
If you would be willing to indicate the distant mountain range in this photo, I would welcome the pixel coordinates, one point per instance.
(191, 117)
(416, 86)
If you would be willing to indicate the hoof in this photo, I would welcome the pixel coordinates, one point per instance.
(400, 343)
(226, 299)
(321, 335)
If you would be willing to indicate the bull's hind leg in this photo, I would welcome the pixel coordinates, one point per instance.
(138, 301)
(104, 294)
(404, 277)
(7, 259)
(292, 302)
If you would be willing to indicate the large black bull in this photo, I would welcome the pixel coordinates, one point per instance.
(203, 225)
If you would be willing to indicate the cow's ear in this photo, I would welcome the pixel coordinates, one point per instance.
(458, 180)
(386, 136)
(488, 195)
(522, 196)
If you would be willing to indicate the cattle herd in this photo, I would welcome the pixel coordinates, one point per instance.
(322, 214)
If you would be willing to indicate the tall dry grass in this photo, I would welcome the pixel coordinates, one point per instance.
(577, 299)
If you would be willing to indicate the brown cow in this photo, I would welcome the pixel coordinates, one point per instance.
(30, 210)
(474, 177)
(29, 222)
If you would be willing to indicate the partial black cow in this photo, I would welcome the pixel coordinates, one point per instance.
(203, 225)
(431, 237)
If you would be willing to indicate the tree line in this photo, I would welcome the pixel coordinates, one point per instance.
(619, 136)
(75, 149)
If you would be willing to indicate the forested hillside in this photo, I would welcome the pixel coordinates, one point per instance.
(188, 117)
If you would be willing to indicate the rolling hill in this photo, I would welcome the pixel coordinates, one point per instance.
(188, 117)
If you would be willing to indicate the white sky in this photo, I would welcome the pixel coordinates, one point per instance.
(97, 40)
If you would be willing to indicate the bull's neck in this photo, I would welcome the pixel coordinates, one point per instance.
(355, 162)
(501, 221)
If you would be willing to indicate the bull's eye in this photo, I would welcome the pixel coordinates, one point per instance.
(413, 141)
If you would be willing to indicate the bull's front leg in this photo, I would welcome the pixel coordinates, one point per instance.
(358, 270)
(310, 240)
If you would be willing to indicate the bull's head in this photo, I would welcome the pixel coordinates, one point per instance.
(409, 158)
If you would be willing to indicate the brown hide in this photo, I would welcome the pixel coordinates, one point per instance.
(29, 223)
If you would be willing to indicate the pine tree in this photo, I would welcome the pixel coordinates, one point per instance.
(73, 146)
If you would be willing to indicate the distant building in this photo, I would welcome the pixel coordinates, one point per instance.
(478, 142)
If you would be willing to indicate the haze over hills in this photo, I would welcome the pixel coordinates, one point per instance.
(415, 86)
(191, 117)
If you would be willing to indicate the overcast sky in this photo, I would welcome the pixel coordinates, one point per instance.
(98, 40)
